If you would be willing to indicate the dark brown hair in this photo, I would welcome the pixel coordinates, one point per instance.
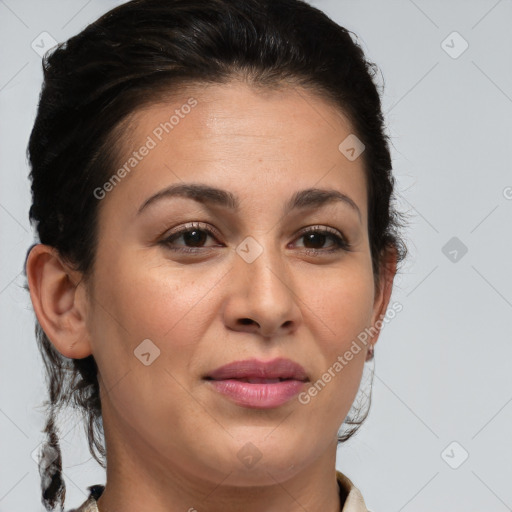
(134, 55)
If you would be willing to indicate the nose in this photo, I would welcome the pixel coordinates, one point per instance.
(261, 296)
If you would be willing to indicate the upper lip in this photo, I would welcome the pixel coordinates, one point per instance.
(253, 368)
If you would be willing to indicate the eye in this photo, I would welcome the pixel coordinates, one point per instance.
(194, 236)
(318, 235)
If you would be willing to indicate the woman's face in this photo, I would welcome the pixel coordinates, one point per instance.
(247, 280)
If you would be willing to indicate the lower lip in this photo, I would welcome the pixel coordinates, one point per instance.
(258, 396)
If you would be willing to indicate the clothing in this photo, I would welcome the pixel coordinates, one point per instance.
(354, 501)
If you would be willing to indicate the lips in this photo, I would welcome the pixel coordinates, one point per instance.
(260, 372)
(258, 384)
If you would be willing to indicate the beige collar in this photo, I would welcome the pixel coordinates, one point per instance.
(354, 501)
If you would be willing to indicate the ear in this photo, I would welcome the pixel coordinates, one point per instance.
(59, 300)
(383, 289)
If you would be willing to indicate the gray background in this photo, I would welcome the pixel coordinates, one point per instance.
(442, 365)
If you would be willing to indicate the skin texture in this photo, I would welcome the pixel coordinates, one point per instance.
(172, 439)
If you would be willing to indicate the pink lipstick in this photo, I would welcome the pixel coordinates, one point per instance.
(259, 384)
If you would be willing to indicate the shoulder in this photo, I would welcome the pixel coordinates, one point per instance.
(89, 505)
(354, 501)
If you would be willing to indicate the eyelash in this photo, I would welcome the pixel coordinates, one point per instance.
(340, 242)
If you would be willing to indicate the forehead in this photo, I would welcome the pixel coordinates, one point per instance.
(277, 116)
(236, 136)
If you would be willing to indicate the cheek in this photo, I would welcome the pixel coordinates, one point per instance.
(150, 298)
(135, 302)
(340, 309)
(342, 302)
(149, 303)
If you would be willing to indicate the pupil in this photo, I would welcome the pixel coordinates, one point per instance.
(311, 237)
(196, 239)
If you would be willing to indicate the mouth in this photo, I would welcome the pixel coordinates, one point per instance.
(256, 371)
(258, 384)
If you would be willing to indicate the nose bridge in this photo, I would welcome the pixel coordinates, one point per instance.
(263, 261)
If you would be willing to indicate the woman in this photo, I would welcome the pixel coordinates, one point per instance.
(212, 192)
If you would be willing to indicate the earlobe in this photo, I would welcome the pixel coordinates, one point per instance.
(59, 301)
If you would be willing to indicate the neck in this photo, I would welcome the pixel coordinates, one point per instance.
(141, 479)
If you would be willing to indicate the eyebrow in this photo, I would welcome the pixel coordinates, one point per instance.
(206, 194)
